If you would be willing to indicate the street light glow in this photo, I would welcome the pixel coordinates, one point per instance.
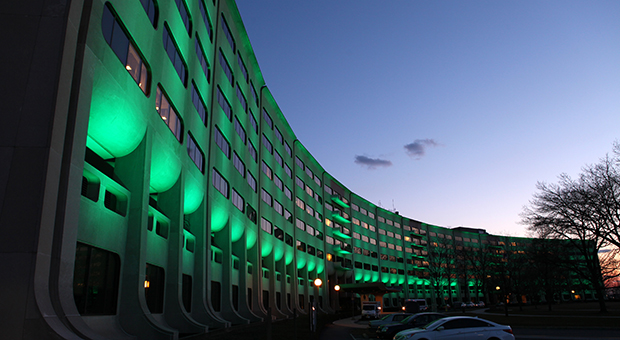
(336, 287)
(318, 282)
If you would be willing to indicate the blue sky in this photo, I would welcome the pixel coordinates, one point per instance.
(452, 109)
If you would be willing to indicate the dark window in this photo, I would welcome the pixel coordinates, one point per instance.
(288, 239)
(216, 292)
(267, 118)
(95, 280)
(240, 130)
(202, 59)
(235, 297)
(175, 56)
(154, 285)
(253, 122)
(220, 183)
(195, 153)
(221, 141)
(115, 202)
(228, 33)
(187, 20)
(187, 292)
(90, 188)
(242, 100)
(125, 50)
(244, 69)
(151, 10)
(227, 69)
(199, 104)
(205, 18)
(224, 104)
(266, 299)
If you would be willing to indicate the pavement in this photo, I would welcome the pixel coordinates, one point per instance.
(341, 329)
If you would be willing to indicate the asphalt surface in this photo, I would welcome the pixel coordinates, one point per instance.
(353, 329)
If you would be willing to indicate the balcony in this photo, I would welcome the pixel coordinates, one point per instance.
(418, 257)
(419, 246)
(339, 249)
(414, 235)
(338, 218)
(336, 199)
(341, 235)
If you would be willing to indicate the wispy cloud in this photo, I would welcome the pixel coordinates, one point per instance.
(372, 163)
(417, 149)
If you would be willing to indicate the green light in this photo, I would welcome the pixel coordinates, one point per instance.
(311, 265)
(375, 277)
(411, 280)
(116, 124)
(339, 234)
(367, 276)
(340, 219)
(358, 275)
(236, 230)
(250, 238)
(278, 252)
(266, 245)
(289, 255)
(401, 280)
(301, 260)
(194, 192)
(393, 280)
(219, 218)
(165, 164)
(320, 267)
(385, 278)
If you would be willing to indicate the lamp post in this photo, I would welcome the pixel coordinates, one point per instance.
(498, 288)
(317, 284)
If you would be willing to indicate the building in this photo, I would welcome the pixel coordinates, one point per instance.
(151, 186)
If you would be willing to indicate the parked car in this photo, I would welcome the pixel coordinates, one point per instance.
(388, 331)
(388, 318)
(480, 304)
(458, 327)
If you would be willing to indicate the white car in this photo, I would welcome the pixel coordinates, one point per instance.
(458, 327)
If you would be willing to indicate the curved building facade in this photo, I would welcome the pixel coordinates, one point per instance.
(152, 186)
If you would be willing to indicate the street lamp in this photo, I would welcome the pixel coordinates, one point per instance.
(337, 288)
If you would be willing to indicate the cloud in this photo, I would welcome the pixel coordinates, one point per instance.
(418, 148)
(372, 163)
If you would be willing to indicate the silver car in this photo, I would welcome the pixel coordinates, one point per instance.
(458, 327)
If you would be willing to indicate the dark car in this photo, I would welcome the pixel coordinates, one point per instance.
(388, 331)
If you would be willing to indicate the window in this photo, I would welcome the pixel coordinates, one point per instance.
(288, 193)
(241, 97)
(195, 153)
(254, 94)
(309, 191)
(95, 280)
(278, 182)
(228, 33)
(288, 239)
(168, 114)
(311, 250)
(202, 59)
(309, 172)
(244, 69)
(220, 183)
(151, 10)
(381, 231)
(364, 238)
(389, 234)
(251, 180)
(267, 118)
(381, 219)
(389, 222)
(267, 144)
(288, 171)
(226, 68)
(224, 104)
(309, 210)
(278, 207)
(278, 158)
(253, 122)
(300, 224)
(355, 221)
(238, 163)
(300, 182)
(288, 149)
(221, 141)
(299, 163)
(115, 36)
(279, 135)
(363, 211)
(266, 197)
(174, 55)
(300, 203)
(185, 17)
(371, 215)
(199, 104)
(239, 129)
(301, 247)
(154, 294)
(265, 225)
(237, 200)
(252, 151)
(267, 170)
(288, 216)
(278, 233)
(205, 18)
(251, 214)
(310, 230)
(355, 207)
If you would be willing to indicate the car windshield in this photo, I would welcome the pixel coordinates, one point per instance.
(409, 318)
(385, 317)
(430, 324)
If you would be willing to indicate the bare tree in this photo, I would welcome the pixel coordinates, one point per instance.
(567, 210)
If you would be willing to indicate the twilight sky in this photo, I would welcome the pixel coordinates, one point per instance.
(448, 111)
